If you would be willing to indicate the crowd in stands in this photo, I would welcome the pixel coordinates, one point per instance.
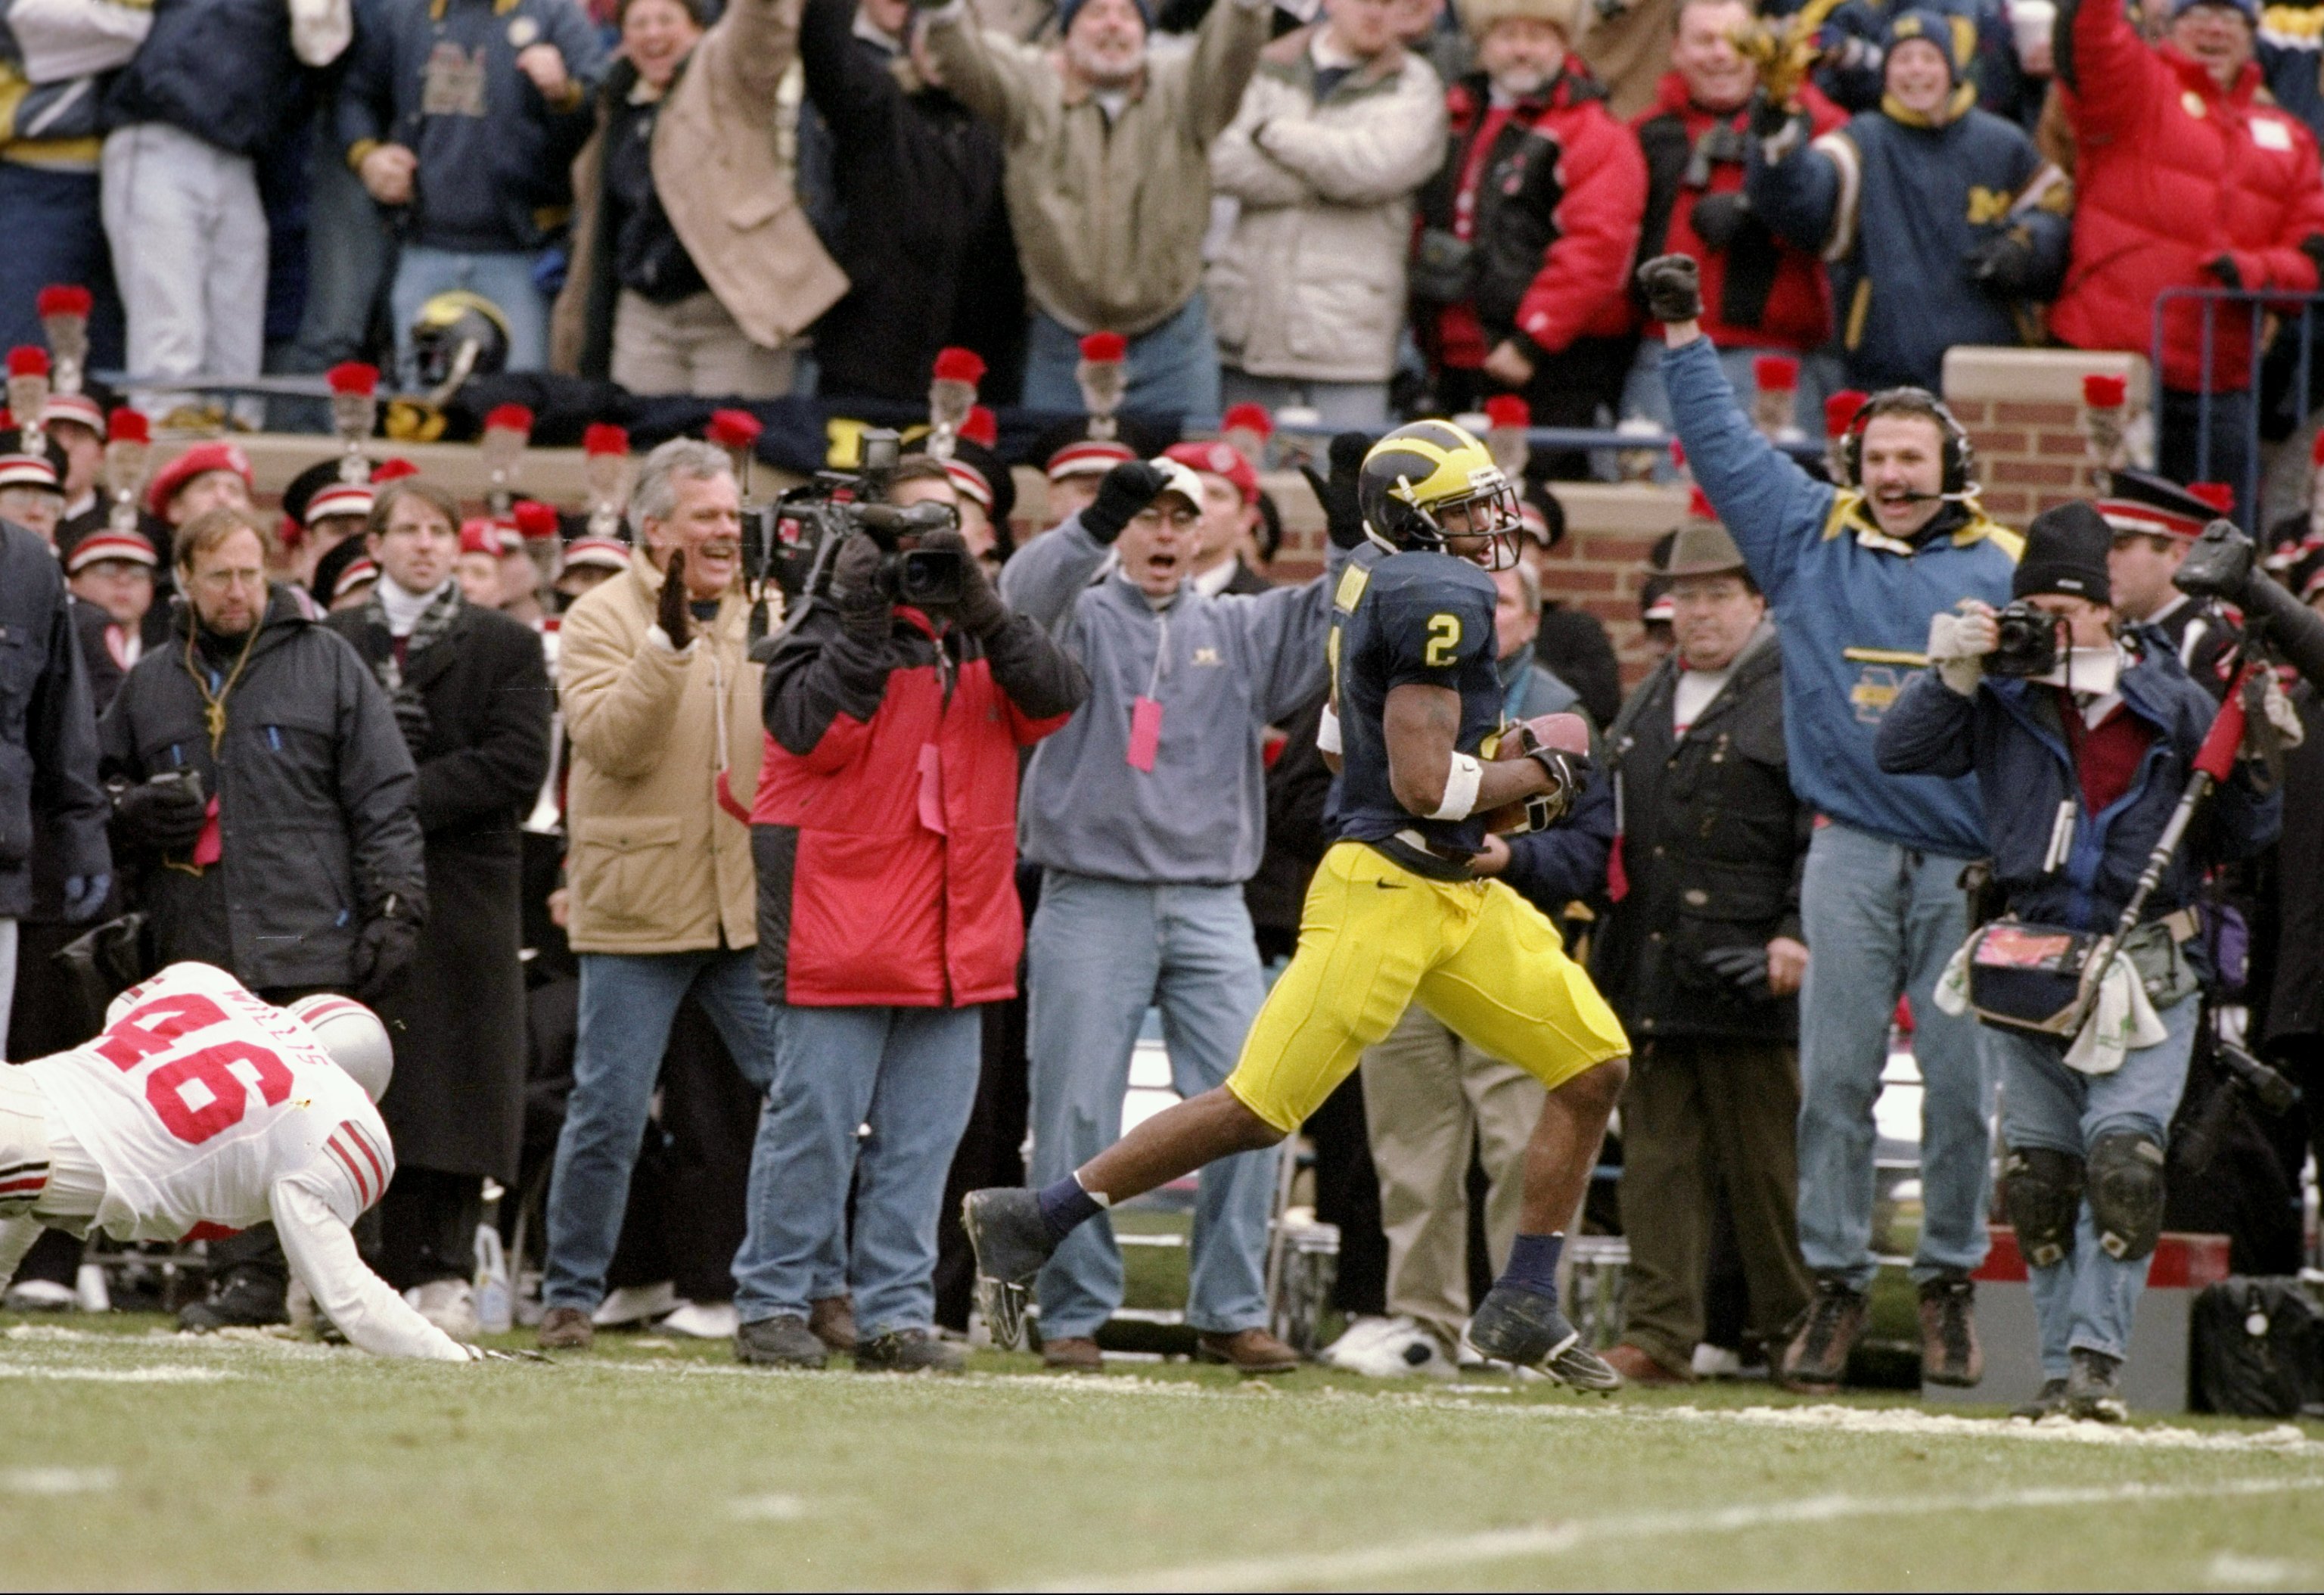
(731, 951)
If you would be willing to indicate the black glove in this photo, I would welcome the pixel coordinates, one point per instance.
(676, 623)
(411, 719)
(1716, 218)
(1673, 286)
(1568, 773)
(384, 946)
(1769, 119)
(1743, 968)
(2218, 565)
(2005, 265)
(857, 590)
(166, 813)
(1343, 515)
(1127, 489)
(2223, 270)
(980, 611)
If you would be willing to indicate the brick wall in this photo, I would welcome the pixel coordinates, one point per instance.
(2023, 408)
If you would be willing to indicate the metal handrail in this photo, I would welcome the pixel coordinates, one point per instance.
(2260, 303)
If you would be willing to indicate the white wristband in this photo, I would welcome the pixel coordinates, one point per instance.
(1327, 732)
(1461, 782)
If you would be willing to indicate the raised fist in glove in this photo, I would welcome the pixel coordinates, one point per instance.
(384, 947)
(1127, 489)
(2005, 265)
(671, 616)
(1672, 287)
(980, 611)
(165, 813)
(1343, 519)
(857, 590)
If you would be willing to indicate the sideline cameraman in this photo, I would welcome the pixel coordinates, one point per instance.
(885, 838)
(2082, 748)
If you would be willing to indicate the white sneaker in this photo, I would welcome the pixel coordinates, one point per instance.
(635, 1304)
(1716, 1362)
(1402, 1350)
(1361, 1331)
(40, 1295)
(450, 1304)
(702, 1320)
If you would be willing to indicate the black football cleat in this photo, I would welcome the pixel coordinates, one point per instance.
(1011, 1241)
(1518, 1327)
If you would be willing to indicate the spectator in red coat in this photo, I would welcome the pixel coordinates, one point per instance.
(1760, 295)
(2188, 177)
(1528, 228)
(885, 837)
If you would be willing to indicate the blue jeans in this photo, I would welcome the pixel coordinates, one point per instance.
(2087, 1300)
(503, 277)
(1882, 919)
(1173, 368)
(56, 234)
(908, 1073)
(627, 1003)
(1337, 405)
(1100, 952)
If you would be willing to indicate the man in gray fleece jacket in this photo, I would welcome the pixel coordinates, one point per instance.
(1147, 813)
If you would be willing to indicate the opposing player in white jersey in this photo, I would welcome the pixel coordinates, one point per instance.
(202, 1111)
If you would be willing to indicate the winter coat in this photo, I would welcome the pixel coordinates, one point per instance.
(1853, 606)
(932, 263)
(1894, 205)
(659, 862)
(224, 70)
(1109, 215)
(1223, 671)
(2295, 1003)
(886, 823)
(1556, 189)
(2010, 735)
(1757, 291)
(1713, 844)
(1310, 284)
(48, 730)
(441, 79)
(54, 72)
(2288, 47)
(458, 1015)
(2174, 173)
(726, 181)
(1299, 785)
(318, 808)
(1565, 863)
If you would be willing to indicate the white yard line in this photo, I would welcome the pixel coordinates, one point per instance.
(117, 1376)
(1447, 1553)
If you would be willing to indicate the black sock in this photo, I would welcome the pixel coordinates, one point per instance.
(1065, 1206)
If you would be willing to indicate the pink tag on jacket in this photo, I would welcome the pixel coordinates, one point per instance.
(210, 845)
(932, 814)
(1145, 734)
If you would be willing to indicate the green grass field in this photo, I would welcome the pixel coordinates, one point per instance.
(138, 1457)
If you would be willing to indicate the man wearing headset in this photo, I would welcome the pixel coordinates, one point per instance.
(1852, 573)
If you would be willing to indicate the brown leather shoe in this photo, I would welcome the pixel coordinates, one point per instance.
(1073, 1355)
(1950, 1354)
(832, 1320)
(1816, 1360)
(566, 1329)
(1246, 1350)
(1639, 1367)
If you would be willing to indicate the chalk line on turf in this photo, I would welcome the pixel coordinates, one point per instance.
(115, 1376)
(57, 1481)
(1442, 1552)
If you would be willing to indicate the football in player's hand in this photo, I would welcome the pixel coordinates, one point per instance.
(1555, 734)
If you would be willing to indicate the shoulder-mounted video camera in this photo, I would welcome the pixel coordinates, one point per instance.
(795, 539)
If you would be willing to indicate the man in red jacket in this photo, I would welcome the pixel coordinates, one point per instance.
(1760, 295)
(885, 834)
(2187, 177)
(1528, 228)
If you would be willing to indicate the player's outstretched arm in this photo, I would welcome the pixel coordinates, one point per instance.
(322, 1254)
(1429, 780)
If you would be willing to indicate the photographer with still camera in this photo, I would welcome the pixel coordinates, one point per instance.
(1147, 814)
(2082, 746)
(895, 707)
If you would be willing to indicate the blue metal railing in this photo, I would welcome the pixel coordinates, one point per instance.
(2259, 305)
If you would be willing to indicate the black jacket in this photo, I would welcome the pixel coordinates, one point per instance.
(458, 1015)
(925, 239)
(1713, 844)
(48, 730)
(317, 803)
(220, 69)
(2295, 995)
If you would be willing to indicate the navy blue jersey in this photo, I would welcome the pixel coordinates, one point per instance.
(1410, 618)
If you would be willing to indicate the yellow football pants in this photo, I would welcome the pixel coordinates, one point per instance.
(1376, 937)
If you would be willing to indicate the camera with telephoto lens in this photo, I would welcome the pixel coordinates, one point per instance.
(795, 539)
(2030, 641)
